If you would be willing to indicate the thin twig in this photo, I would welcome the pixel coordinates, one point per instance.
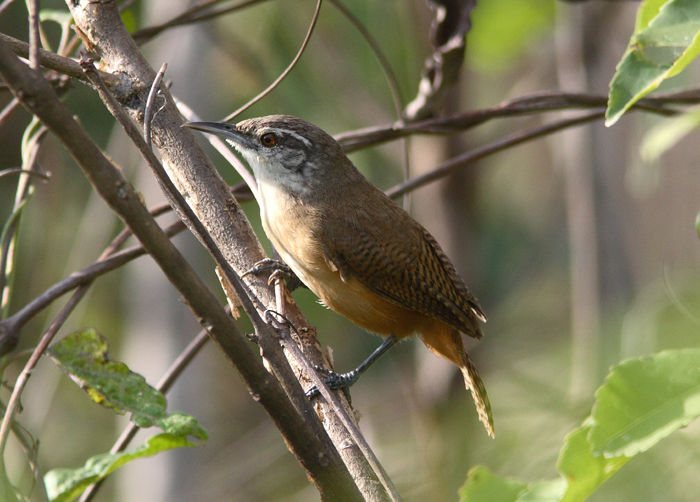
(148, 112)
(7, 111)
(108, 261)
(189, 17)
(524, 105)
(34, 42)
(30, 172)
(61, 64)
(289, 68)
(23, 377)
(5, 5)
(391, 80)
(496, 146)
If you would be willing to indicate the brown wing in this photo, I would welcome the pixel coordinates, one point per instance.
(396, 257)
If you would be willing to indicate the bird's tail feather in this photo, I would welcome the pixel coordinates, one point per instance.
(447, 342)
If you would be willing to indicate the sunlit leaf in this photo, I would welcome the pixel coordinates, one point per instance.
(647, 11)
(62, 17)
(83, 355)
(583, 471)
(543, 491)
(64, 485)
(656, 52)
(667, 133)
(644, 400)
(8, 493)
(484, 486)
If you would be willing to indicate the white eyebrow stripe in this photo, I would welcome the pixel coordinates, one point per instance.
(292, 134)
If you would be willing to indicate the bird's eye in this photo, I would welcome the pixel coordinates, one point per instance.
(268, 139)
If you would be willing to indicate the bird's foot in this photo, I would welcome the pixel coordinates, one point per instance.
(280, 270)
(334, 381)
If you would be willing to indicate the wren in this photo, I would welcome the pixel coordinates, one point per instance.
(359, 252)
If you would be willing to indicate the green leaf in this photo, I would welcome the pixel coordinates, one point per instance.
(666, 134)
(62, 17)
(583, 471)
(697, 224)
(484, 486)
(64, 485)
(8, 493)
(661, 49)
(647, 11)
(544, 491)
(644, 400)
(83, 355)
(180, 424)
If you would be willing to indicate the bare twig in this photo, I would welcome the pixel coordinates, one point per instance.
(148, 111)
(61, 64)
(390, 78)
(282, 75)
(108, 261)
(7, 111)
(34, 42)
(30, 365)
(5, 5)
(496, 146)
(30, 172)
(190, 16)
(525, 105)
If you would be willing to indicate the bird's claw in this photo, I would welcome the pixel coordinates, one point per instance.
(334, 381)
(280, 270)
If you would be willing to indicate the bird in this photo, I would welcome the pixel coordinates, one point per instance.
(351, 245)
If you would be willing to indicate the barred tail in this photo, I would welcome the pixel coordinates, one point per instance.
(473, 382)
(446, 341)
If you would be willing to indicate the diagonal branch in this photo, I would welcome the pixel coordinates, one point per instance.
(37, 95)
(207, 195)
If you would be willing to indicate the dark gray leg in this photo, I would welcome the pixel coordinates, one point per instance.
(345, 380)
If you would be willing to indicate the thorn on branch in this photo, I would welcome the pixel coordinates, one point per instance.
(148, 114)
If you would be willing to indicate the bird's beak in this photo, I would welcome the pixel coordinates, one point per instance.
(224, 129)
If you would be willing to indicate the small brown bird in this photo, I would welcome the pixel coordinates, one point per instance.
(359, 252)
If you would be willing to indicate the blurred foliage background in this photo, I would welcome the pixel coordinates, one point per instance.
(507, 222)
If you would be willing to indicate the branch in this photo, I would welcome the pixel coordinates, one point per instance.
(37, 95)
(61, 64)
(525, 105)
(455, 163)
(190, 16)
(209, 198)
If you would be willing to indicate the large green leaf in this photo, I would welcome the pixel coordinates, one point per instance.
(64, 485)
(665, 42)
(484, 486)
(641, 402)
(8, 493)
(83, 355)
(583, 471)
(644, 400)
